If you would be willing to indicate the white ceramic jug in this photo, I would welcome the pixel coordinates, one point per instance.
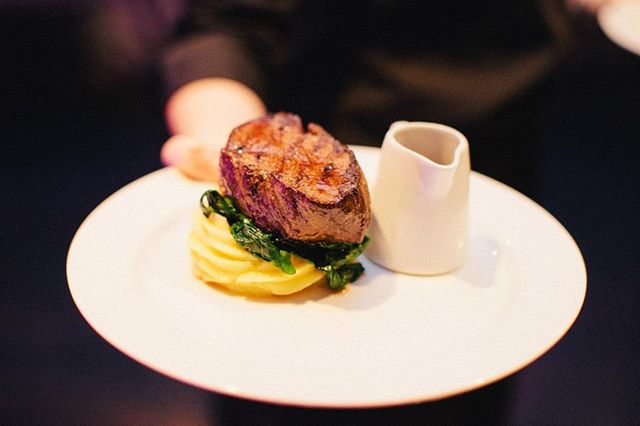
(420, 200)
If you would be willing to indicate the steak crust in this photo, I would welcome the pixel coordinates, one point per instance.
(304, 186)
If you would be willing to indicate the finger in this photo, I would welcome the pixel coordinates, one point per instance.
(192, 157)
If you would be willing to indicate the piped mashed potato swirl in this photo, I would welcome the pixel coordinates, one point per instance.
(218, 259)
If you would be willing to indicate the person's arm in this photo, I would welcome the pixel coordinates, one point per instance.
(200, 115)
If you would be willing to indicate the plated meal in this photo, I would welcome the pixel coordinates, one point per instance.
(292, 210)
(391, 339)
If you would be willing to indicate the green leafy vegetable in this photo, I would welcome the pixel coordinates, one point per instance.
(336, 260)
(339, 276)
(259, 243)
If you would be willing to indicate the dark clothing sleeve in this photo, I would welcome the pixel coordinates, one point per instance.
(240, 40)
(297, 55)
(209, 55)
(356, 66)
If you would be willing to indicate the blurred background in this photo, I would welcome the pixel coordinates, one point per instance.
(81, 115)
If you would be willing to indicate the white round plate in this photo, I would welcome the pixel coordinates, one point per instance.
(388, 339)
(620, 21)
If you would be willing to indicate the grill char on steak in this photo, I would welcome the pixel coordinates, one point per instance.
(304, 186)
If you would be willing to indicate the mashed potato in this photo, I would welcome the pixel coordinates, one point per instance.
(218, 259)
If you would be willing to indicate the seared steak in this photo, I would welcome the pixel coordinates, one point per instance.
(301, 186)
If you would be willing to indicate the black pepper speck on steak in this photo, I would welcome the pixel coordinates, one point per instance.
(304, 186)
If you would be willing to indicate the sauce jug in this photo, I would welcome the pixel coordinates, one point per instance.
(420, 199)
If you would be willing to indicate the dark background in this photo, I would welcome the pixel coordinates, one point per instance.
(73, 133)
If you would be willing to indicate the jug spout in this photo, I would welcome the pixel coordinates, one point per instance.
(438, 144)
(438, 153)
